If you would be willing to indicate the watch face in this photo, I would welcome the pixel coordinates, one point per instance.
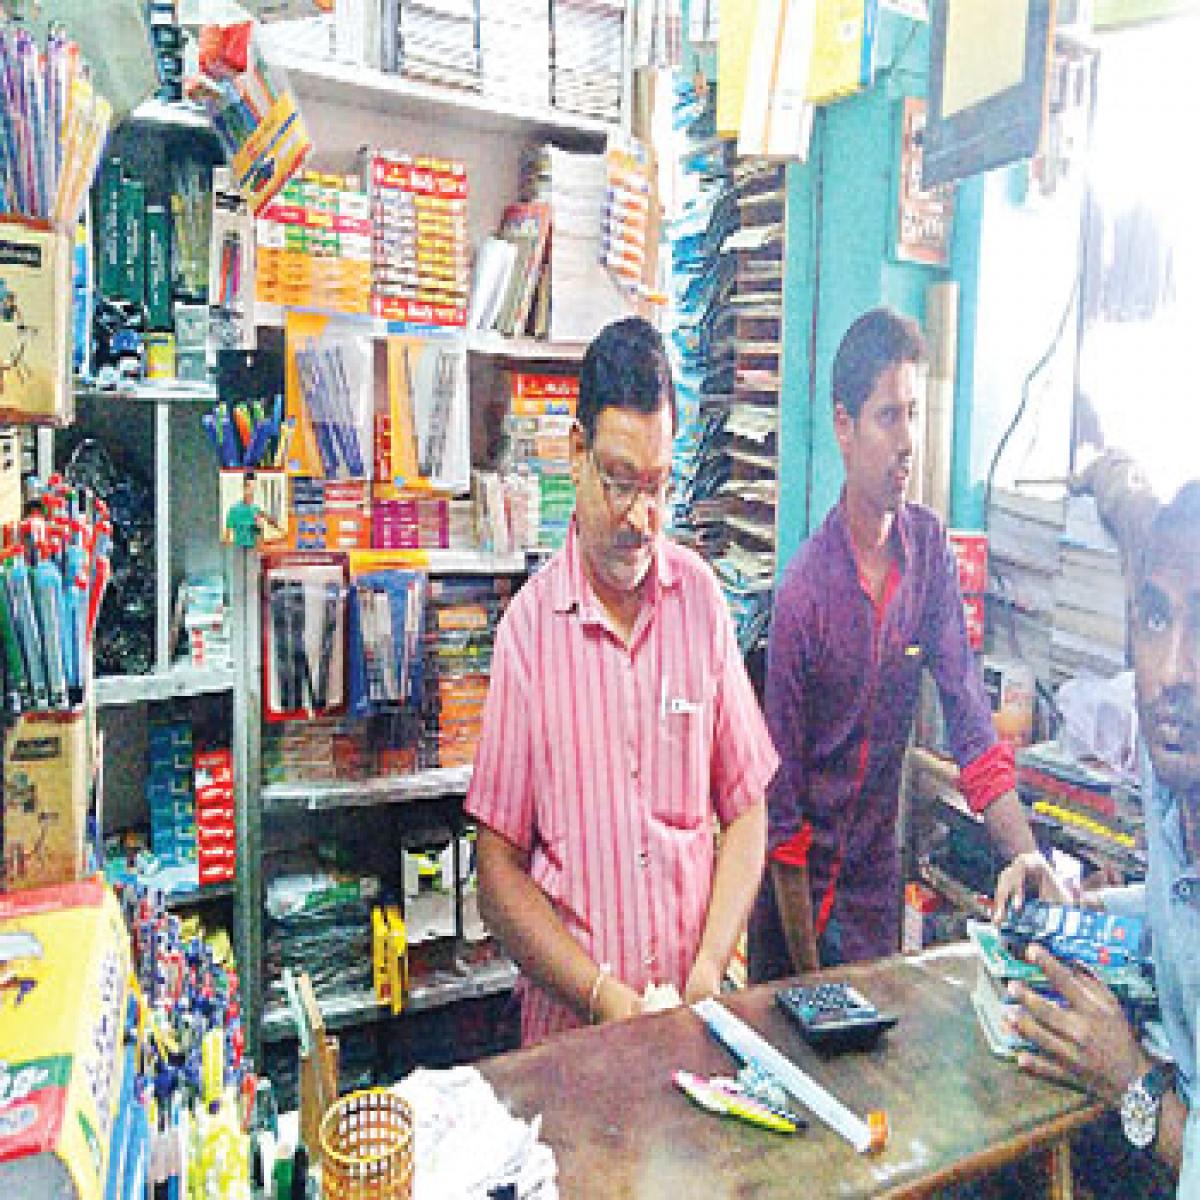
(1139, 1115)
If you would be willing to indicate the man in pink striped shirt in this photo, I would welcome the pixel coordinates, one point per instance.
(619, 723)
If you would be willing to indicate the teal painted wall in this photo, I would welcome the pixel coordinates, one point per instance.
(841, 229)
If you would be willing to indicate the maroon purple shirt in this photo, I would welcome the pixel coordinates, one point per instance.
(842, 687)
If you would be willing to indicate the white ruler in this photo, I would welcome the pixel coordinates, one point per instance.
(747, 1046)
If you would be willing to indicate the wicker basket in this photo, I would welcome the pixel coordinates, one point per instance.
(367, 1147)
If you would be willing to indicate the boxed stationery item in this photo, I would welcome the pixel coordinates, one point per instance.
(46, 799)
(35, 323)
(64, 952)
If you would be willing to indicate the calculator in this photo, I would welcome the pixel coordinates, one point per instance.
(833, 1016)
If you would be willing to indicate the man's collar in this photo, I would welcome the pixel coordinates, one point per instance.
(901, 527)
(572, 591)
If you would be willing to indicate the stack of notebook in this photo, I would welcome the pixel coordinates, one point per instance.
(514, 43)
(587, 39)
(727, 261)
(435, 41)
(582, 296)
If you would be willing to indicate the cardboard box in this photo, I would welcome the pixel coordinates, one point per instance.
(46, 799)
(35, 323)
(65, 955)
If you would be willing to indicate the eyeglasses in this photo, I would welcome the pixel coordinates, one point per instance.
(622, 493)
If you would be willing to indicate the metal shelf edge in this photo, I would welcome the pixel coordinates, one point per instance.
(341, 1014)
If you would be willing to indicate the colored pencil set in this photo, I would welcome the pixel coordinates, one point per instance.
(246, 436)
(53, 126)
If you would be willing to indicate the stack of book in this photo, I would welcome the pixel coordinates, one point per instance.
(538, 428)
(460, 628)
(1089, 597)
(587, 51)
(582, 296)
(1024, 535)
(514, 43)
(435, 41)
(511, 274)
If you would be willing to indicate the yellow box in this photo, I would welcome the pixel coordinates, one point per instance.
(46, 799)
(35, 324)
(64, 958)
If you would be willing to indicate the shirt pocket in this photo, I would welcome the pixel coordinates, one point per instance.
(681, 784)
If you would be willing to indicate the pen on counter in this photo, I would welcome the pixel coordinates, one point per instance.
(731, 1103)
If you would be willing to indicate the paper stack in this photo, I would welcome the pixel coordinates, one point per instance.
(587, 57)
(1024, 532)
(514, 43)
(727, 265)
(436, 41)
(583, 297)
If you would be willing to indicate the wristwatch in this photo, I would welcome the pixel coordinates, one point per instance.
(1140, 1106)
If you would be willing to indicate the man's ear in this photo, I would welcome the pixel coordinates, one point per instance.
(843, 425)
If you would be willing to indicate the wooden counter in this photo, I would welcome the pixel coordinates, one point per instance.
(620, 1128)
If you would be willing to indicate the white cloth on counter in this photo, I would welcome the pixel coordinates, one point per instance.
(468, 1143)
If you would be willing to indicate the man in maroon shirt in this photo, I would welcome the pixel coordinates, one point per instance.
(870, 599)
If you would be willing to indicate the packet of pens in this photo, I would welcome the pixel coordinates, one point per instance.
(386, 631)
(53, 126)
(253, 111)
(331, 395)
(304, 616)
(54, 567)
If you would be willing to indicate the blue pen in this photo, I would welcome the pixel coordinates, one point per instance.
(75, 607)
(229, 438)
(48, 604)
(27, 628)
(263, 431)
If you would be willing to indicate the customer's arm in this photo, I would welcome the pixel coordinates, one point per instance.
(988, 777)
(521, 916)
(736, 878)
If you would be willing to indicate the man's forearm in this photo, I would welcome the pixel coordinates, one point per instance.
(793, 898)
(1008, 826)
(736, 877)
(522, 918)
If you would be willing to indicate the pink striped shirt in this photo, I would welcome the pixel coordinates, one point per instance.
(607, 763)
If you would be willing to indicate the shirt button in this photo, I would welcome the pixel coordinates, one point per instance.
(1184, 889)
(643, 859)
(650, 959)
(633, 769)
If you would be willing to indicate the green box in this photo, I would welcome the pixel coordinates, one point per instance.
(158, 268)
(133, 219)
(111, 242)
